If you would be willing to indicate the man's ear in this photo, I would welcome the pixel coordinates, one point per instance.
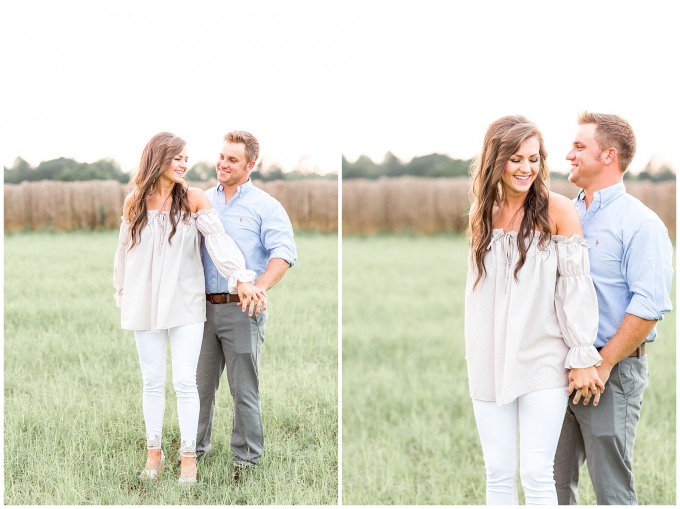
(610, 155)
(251, 165)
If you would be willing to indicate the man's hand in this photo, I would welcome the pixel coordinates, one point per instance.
(603, 370)
(587, 383)
(253, 297)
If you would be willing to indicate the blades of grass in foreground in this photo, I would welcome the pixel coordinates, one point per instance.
(74, 429)
(409, 435)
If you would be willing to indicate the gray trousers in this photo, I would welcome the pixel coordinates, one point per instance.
(604, 436)
(234, 340)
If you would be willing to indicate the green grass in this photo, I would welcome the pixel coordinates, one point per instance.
(409, 435)
(74, 429)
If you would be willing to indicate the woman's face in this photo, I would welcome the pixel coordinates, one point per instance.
(522, 167)
(178, 167)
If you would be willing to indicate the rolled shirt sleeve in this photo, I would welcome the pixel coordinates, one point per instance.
(276, 235)
(576, 302)
(648, 270)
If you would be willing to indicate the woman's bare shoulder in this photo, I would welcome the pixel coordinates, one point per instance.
(197, 199)
(563, 215)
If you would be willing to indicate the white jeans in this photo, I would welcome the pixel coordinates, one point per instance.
(185, 347)
(540, 416)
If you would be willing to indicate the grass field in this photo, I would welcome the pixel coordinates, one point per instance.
(73, 423)
(409, 435)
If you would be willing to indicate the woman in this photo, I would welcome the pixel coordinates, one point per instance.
(160, 288)
(530, 312)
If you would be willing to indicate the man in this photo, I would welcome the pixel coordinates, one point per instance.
(260, 227)
(631, 267)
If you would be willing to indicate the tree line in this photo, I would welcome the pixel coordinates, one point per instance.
(66, 169)
(432, 165)
(441, 165)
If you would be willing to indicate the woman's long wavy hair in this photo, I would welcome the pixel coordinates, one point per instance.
(503, 139)
(156, 158)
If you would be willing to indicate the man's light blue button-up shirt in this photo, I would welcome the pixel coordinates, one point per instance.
(259, 226)
(630, 259)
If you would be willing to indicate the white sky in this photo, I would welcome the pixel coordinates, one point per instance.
(92, 79)
(88, 79)
(430, 76)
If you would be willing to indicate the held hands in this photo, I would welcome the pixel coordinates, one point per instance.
(251, 295)
(587, 383)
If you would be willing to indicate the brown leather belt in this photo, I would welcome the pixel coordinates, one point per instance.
(638, 352)
(221, 298)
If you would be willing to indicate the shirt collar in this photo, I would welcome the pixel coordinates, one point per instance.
(242, 189)
(604, 196)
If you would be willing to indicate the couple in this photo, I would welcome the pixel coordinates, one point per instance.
(196, 288)
(561, 298)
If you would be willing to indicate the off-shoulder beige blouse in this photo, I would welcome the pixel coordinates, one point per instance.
(521, 336)
(160, 284)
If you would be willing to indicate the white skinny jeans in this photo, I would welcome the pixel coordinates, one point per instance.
(540, 416)
(185, 347)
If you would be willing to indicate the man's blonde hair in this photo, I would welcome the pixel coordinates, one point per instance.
(612, 131)
(251, 143)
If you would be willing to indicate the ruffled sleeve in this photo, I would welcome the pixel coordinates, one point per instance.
(119, 262)
(576, 302)
(223, 251)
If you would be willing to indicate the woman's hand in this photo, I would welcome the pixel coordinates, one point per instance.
(251, 295)
(587, 383)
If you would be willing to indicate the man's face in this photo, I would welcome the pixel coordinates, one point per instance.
(586, 157)
(232, 168)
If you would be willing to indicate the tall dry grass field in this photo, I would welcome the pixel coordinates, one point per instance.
(65, 206)
(424, 205)
(404, 204)
(98, 205)
(409, 434)
(73, 421)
